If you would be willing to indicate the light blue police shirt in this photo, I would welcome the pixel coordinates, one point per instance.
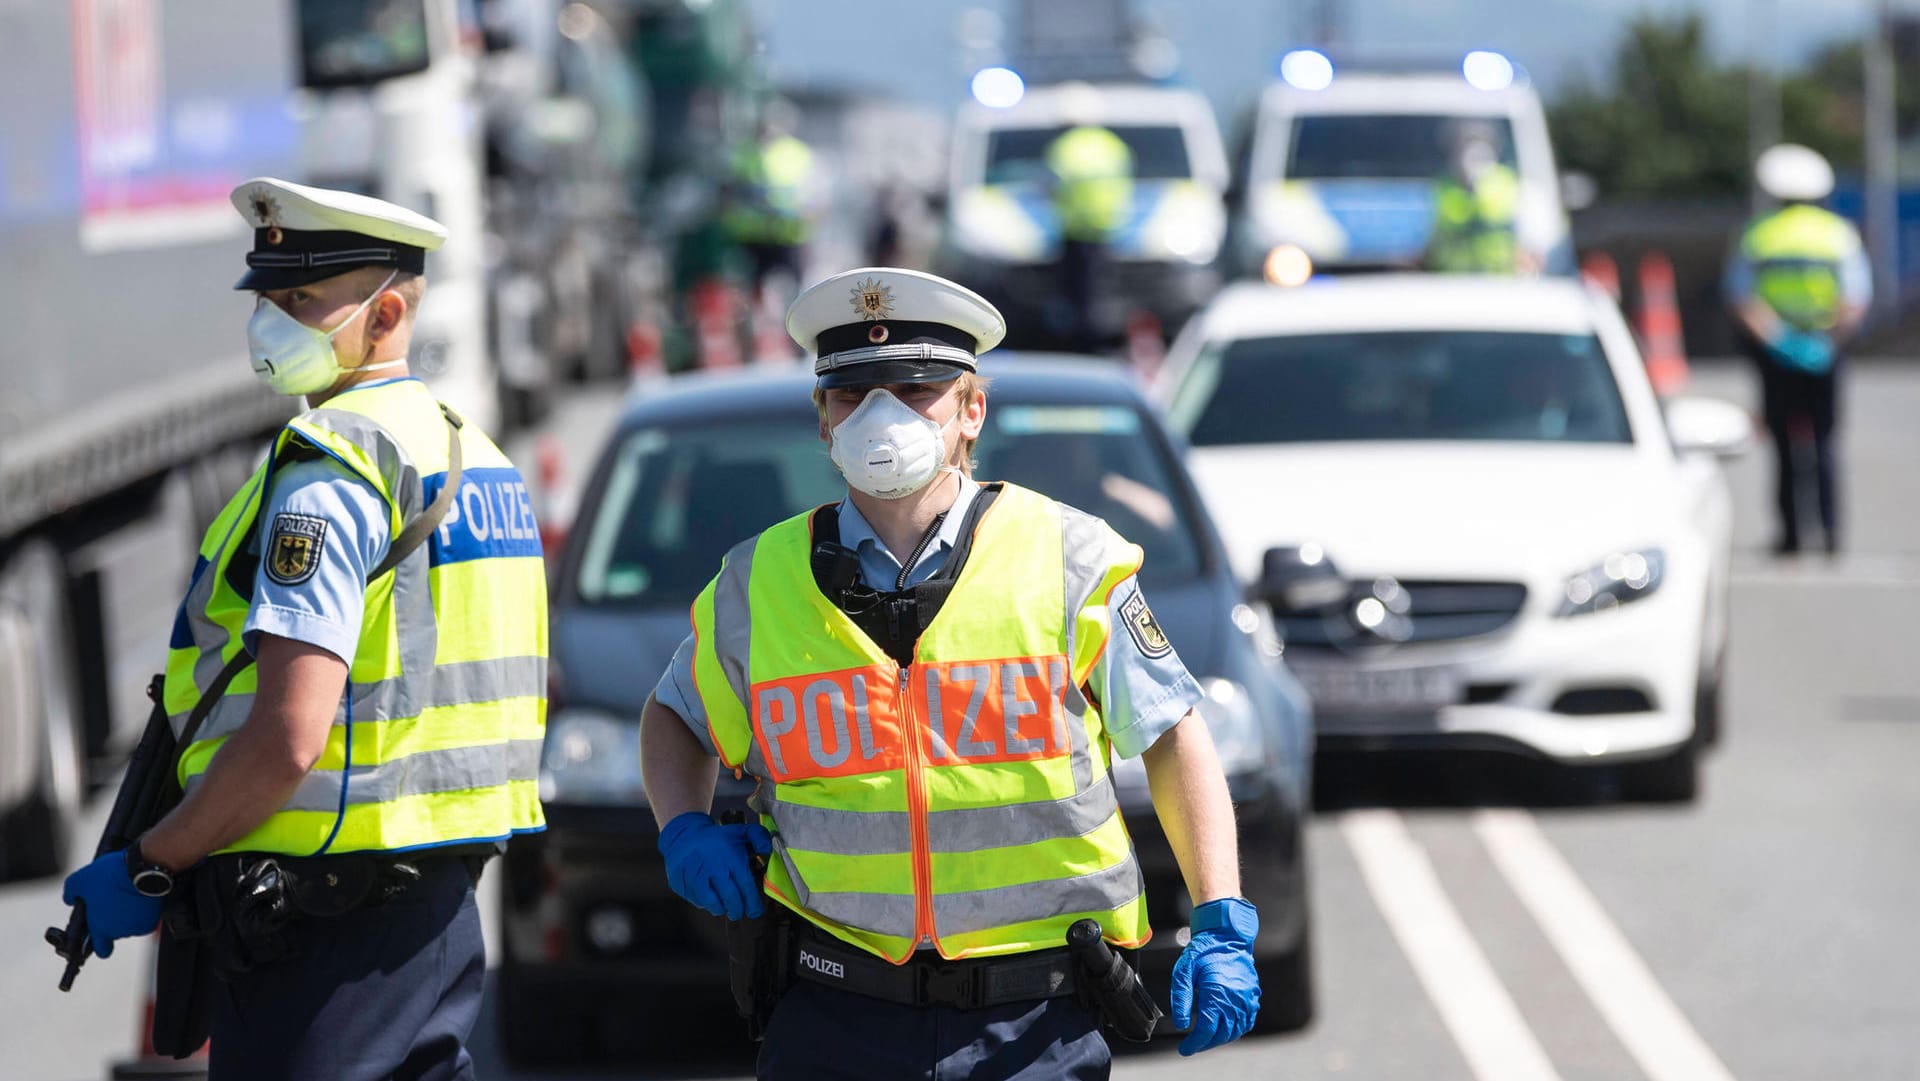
(1140, 697)
(323, 604)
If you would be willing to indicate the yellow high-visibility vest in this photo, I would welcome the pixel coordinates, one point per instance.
(1796, 254)
(965, 799)
(1093, 169)
(437, 740)
(1474, 228)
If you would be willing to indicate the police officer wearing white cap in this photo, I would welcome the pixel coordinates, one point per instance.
(356, 681)
(929, 681)
(1798, 284)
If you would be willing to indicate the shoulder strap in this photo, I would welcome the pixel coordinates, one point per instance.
(411, 537)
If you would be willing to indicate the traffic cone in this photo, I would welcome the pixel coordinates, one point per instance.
(1146, 345)
(1599, 269)
(1661, 343)
(770, 342)
(151, 1064)
(715, 306)
(552, 519)
(646, 359)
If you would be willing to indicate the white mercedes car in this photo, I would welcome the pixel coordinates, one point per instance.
(1474, 521)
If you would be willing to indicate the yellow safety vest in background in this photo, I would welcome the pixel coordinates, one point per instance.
(440, 741)
(772, 208)
(1796, 254)
(965, 799)
(1474, 228)
(1093, 169)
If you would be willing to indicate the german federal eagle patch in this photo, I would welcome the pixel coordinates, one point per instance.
(293, 548)
(1144, 628)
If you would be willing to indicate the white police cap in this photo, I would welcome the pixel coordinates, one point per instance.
(1794, 173)
(889, 325)
(302, 234)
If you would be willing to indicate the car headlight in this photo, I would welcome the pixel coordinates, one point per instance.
(989, 222)
(591, 757)
(1188, 225)
(1230, 715)
(1621, 578)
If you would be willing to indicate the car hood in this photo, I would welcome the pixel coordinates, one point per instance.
(1495, 510)
(610, 659)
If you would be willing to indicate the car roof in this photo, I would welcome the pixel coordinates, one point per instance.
(762, 390)
(1390, 302)
(1049, 106)
(1396, 93)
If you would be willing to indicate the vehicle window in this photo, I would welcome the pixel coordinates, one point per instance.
(1381, 147)
(1016, 155)
(679, 496)
(1446, 385)
(1103, 460)
(361, 42)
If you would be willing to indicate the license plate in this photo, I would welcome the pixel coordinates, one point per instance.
(1344, 687)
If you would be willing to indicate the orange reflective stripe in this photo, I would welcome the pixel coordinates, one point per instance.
(832, 724)
(1010, 710)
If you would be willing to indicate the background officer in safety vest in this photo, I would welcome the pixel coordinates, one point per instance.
(1093, 198)
(1798, 283)
(356, 679)
(928, 681)
(1475, 207)
(771, 201)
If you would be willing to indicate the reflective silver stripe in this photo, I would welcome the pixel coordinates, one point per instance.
(209, 637)
(460, 683)
(396, 466)
(1086, 545)
(881, 913)
(454, 769)
(982, 910)
(733, 639)
(972, 829)
(846, 833)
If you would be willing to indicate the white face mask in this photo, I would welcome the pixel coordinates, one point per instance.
(887, 450)
(294, 358)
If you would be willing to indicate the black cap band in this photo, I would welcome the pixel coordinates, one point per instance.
(871, 332)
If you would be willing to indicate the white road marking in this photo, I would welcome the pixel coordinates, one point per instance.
(1601, 959)
(1475, 1006)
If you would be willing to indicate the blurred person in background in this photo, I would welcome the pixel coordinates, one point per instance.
(1092, 193)
(1474, 208)
(1797, 284)
(929, 696)
(769, 210)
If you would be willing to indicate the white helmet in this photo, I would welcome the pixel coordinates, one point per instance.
(1793, 173)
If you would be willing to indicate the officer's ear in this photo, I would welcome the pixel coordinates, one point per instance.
(973, 410)
(386, 314)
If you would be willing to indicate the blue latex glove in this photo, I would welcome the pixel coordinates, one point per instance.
(115, 910)
(709, 865)
(1216, 991)
(1804, 351)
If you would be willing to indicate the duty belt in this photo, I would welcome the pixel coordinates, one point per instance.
(928, 980)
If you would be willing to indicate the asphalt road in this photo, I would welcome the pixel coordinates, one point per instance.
(1477, 921)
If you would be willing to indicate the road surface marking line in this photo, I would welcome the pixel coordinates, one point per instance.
(1456, 975)
(1601, 959)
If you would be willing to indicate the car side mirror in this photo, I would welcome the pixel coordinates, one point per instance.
(1708, 426)
(1578, 191)
(1299, 580)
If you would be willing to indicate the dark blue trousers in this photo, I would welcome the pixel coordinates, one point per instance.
(389, 991)
(825, 1033)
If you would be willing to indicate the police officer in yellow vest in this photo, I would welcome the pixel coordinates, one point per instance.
(1475, 208)
(356, 679)
(1797, 284)
(1092, 198)
(930, 680)
(769, 210)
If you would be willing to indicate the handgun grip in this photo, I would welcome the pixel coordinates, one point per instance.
(74, 944)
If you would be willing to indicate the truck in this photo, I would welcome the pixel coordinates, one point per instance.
(128, 410)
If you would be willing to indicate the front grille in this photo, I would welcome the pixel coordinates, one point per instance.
(1437, 611)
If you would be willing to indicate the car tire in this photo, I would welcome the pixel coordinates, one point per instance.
(1706, 710)
(539, 1029)
(1671, 778)
(1286, 986)
(36, 665)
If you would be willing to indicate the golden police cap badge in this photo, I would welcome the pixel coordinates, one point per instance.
(872, 299)
(293, 547)
(1143, 628)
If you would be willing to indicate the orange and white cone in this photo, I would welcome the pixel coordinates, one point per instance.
(1661, 342)
(1599, 270)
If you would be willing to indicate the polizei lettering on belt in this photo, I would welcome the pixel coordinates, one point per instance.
(831, 969)
(492, 517)
(837, 724)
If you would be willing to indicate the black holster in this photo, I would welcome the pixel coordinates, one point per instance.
(183, 971)
(760, 964)
(1108, 984)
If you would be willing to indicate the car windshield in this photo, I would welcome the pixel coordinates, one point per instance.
(679, 495)
(1444, 385)
(1382, 147)
(1017, 155)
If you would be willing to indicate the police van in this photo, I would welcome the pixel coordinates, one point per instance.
(1344, 158)
(1002, 236)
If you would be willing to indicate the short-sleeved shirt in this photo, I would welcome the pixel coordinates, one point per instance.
(341, 525)
(1140, 697)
